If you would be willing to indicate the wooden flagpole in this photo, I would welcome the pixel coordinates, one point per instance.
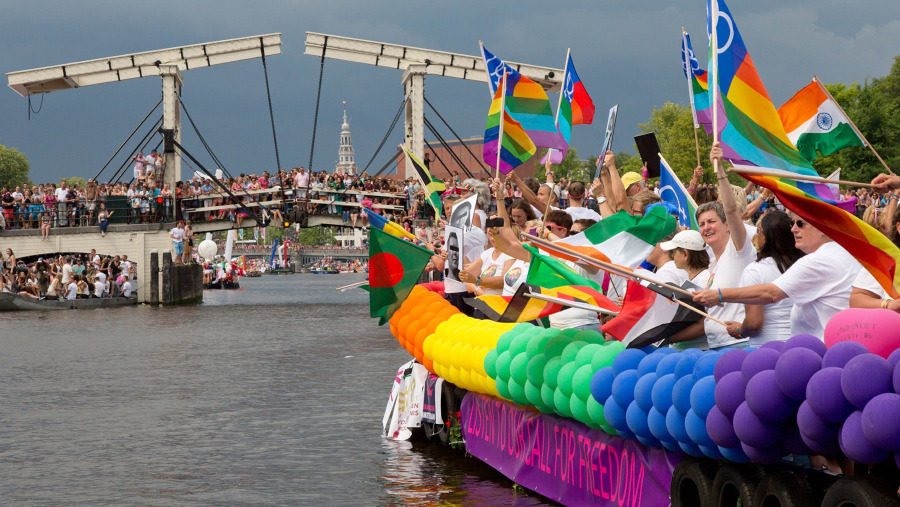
(853, 125)
(612, 268)
(689, 73)
(572, 304)
(801, 177)
(357, 284)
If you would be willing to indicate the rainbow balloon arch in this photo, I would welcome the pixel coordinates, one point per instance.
(802, 396)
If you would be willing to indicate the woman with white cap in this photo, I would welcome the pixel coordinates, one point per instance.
(688, 250)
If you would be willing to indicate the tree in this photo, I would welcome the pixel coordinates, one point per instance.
(674, 125)
(14, 168)
(74, 180)
(317, 236)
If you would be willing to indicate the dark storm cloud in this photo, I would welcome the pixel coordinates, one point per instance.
(626, 52)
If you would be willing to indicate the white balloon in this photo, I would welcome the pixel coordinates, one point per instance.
(207, 249)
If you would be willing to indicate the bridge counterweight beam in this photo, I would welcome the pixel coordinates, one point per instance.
(414, 121)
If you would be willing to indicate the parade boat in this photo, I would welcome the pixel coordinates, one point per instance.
(222, 284)
(14, 302)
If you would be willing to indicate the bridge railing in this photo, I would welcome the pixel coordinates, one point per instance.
(120, 210)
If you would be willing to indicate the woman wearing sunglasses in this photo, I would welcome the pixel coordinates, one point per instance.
(818, 284)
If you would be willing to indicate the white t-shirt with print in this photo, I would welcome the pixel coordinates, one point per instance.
(725, 273)
(777, 316)
(819, 285)
(491, 267)
(513, 278)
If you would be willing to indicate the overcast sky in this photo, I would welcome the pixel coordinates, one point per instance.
(626, 52)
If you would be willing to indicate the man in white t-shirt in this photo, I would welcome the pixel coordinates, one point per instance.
(576, 207)
(126, 289)
(99, 287)
(126, 267)
(71, 291)
(817, 289)
(177, 235)
(67, 272)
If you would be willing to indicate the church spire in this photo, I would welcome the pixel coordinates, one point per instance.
(346, 160)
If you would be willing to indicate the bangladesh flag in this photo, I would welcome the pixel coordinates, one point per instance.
(395, 266)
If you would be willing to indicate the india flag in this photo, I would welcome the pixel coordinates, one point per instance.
(621, 239)
(814, 122)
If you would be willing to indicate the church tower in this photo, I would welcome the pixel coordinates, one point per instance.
(346, 162)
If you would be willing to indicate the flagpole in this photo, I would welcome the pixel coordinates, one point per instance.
(860, 134)
(571, 304)
(714, 65)
(502, 120)
(795, 176)
(678, 181)
(689, 74)
(606, 266)
(437, 212)
(562, 92)
(357, 284)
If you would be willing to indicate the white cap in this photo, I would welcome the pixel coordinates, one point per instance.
(689, 240)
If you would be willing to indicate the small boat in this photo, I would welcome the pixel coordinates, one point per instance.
(327, 270)
(222, 284)
(14, 302)
(253, 274)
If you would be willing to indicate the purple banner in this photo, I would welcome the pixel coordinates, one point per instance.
(563, 459)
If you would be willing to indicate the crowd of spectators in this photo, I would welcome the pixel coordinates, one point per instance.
(76, 276)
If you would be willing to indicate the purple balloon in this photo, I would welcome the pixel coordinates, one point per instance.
(765, 399)
(793, 441)
(759, 360)
(764, 455)
(705, 366)
(814, 427)
(753, 431)
(806, 341)
(794, 369)
(897, 380)
(730, 393)
(894, 358)
(865, 377)
(720, 429)
(841, 352)
(696, 429)
(729, 362)
(661, 394)
(703, 396)
(774, 345)
(855, 445)
(884, 407)
(823, 447)
(825, 397)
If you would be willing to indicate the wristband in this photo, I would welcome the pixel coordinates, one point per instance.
(739, 331)
(895, 196)
(690, 189)
(477, 281)
(885, 303)
(721, 300)
(722, 177)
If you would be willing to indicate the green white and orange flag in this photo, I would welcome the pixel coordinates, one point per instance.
(815, 123)
(395, 266)
(433, 186)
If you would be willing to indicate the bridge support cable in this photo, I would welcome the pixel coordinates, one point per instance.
(170, 138)
(447, 147)
(485, 168)
(312, 147)
(262, 53)
(126, 140)
(383, 140)
(393, 160)
(203, 140)
(117, 176)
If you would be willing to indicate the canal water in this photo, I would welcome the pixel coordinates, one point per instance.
(272, 394)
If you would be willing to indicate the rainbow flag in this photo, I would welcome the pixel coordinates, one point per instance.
(750, 129)
(575, 108)
(870, 247)
(515, 147)
(698, 85)
(820, 191)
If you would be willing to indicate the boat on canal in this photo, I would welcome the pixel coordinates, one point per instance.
(13, 303)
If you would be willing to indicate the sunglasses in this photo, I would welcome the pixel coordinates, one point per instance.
(799, 223)
(552, 226)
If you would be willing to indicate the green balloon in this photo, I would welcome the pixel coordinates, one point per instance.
(506, 338)
(603, 357)
(609, 429)
(558, 342)
(591, 336)
(564, 380)
(503, 362)
(533, 394)
(519, 343)
(503, 388)
(571, 351)
(561, 404)
(581, 382)
(535, 369)
(547, 399)
(551, 371)
(586, 354)
(538, 342)
(490, 363)
(579, 410)
(518, 368)
(517, 392)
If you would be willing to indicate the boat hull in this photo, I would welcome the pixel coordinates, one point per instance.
(14, 303)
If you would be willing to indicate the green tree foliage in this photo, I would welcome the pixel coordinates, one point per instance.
(571, 167)
(14, 167)
(875, 109)
(674, 128)
(317, 236)
(74, 180)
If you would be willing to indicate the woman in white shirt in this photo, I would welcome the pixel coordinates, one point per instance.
(777, 252)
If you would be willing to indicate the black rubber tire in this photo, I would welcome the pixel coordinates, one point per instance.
(860, 492)
(783, 489)
(692, 483)
(735, 483)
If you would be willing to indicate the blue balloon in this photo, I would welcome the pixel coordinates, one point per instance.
(711, 451)
(623, 387)
(696, 429)
(691, 449)
(649, 442)
(734, 455)
(637, 421)
(648, 349)
(628, 359)
(706, 365)
(601, 384)
(649, 363)
(703, 396)
(672, 446)
(643, 390)
(675, 425)
(667, 364)
(615, 416)
(657, 423)
(686, 365)
(681, 393)
(662, 392)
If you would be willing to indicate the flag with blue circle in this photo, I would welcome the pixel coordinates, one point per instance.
(672, 191)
